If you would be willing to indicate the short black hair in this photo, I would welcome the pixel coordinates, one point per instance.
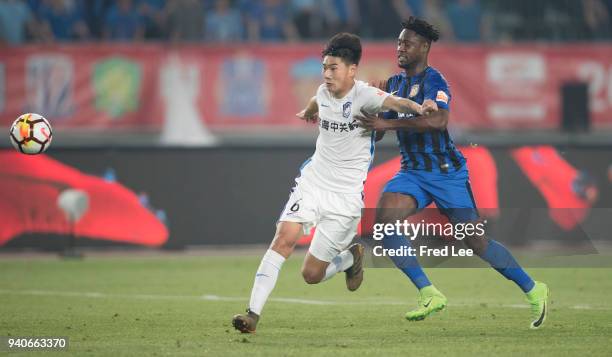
(422, 28)
(344, 45)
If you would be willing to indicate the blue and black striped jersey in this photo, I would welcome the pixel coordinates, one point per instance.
(432, 150)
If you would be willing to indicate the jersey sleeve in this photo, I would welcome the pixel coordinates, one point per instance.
(436, 88)
(390, 114)
(373, 99)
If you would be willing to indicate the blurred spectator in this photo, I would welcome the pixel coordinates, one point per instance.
(94, 12)
(434, 12)
(344, 15)
(558, 21)
(466, 19)
(597, 18)
(185, 20)
(153, 15)
(268, 21)
(509, 20)
(383, 20)
(287, 20)
(307, 20)
(61, 20)
(123, 23)
(407, 8)
(35, 6)
(15, 20)
(388, 22)
(223, 23)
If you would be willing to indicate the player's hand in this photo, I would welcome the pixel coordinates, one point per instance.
(428, 107)
(371, 122)
(309, 118)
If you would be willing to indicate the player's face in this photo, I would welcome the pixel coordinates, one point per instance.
(411, 49)
(338, 76)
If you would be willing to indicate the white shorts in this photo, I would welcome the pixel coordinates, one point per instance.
(336, 216)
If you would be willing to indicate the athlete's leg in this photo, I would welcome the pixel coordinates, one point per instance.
(313, 269)
(330, 252)
(287, 235)
(454, 198)
(394, 206)
(397, 206)
(500, 259)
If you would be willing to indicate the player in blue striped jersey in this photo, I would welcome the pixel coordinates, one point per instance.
(434, 170)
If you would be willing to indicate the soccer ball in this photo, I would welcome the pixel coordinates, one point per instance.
(31, 134)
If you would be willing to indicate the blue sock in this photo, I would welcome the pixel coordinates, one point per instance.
(502, 260)
(409, 265)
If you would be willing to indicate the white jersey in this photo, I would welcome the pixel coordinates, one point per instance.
(343, 153)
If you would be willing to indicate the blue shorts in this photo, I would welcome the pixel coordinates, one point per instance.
(450, 191)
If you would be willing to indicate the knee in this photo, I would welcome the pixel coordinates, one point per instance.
(477, 244)
(390, 210)
(392, 215)
(385, 215)
(312, 276)
(283, 243)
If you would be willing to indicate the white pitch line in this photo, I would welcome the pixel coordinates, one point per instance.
(210, 297)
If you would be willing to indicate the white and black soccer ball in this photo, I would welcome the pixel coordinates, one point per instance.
(31, 134)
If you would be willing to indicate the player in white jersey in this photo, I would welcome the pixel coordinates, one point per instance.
(328, 191)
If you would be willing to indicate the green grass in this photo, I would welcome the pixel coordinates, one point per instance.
(151, 306)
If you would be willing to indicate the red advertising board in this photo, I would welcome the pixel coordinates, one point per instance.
(31, 187)
(141, 87)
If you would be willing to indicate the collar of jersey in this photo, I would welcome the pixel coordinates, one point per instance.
(418, 75)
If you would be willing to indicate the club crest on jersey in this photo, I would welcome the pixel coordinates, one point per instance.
(414, 90)
(346, 109)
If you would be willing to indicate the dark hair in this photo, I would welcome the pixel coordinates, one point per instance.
(344, 45)
(422, 28)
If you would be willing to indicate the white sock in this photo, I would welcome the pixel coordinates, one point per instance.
(265, 279)
(340, 263)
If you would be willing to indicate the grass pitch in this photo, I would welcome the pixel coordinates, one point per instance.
(182, 305)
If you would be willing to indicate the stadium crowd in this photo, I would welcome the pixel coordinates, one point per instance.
(46, 21)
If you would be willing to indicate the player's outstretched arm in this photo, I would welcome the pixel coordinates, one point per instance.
(311, 112)
(437, 120)
(401, 105)
(433, 119)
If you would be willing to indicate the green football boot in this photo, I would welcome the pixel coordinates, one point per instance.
(430, 301)
(538, 300)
